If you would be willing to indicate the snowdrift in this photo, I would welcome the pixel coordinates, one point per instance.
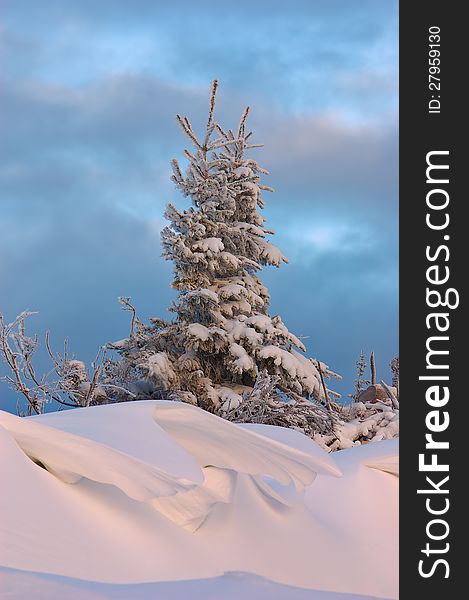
(161, 499)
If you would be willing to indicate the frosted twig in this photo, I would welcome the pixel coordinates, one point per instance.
(126, 305)
(187, 128)
(213, 94)
(326, 395)
(243, 122)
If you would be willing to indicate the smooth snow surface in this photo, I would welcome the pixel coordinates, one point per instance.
(161, 499)
(18, 585)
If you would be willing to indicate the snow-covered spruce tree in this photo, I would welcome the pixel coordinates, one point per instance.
(223, 349)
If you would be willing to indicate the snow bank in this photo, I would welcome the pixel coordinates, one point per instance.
(70, 457)
(19, 585)
(164, 493)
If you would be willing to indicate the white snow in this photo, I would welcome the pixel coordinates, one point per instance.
(272, 254)
(261, 323)
(168, 501)
(249, 227)
(212, 244)
(71, 457)
(297, 366)
(203, 293)
(76, 364)
(159, 366)
(240, 330)
(199, 331)
(229, 399)
(243, 361)
(21, 585)
(251, 188)
(232, 290)
(241, 172)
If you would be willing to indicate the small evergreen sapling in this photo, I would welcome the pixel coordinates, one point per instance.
(360, 382)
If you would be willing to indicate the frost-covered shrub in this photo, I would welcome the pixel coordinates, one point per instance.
(360, 423)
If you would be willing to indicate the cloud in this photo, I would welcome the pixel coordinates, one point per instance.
(120, 135)
(328, 155)
(312, 240)
(295, 59)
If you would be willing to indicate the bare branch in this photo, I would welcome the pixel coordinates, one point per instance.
(373, 368)
(126, 305)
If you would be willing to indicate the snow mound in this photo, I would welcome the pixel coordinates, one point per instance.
(131, 428)
(19, 585)
(141, 499)
(70, 457)
(230, 446)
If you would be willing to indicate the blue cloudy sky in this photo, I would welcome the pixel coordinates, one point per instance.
(88, 95)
